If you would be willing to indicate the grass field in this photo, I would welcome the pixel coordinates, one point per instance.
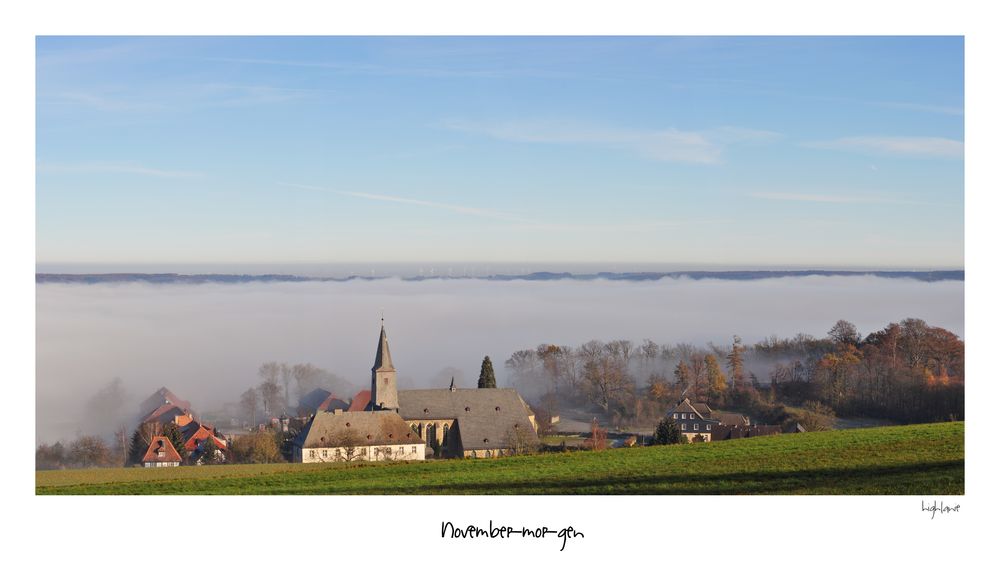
(917, 459)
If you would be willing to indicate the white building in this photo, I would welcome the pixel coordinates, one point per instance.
(357, 436)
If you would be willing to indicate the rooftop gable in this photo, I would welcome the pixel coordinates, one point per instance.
(161, 450)
(365, 428)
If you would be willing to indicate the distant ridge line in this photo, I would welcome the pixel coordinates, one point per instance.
(171, 278)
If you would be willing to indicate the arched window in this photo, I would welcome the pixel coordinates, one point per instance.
(444, 431)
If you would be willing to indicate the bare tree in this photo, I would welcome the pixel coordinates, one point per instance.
(844, 333)
(520, 441)
(649, 350)
(606, 380)
(347, 445)
(307, 377)
(270, 390)
(286, 381)
(249, 401)
(89, 452)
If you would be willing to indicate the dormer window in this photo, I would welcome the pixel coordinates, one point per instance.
(466, 409)
(497, 409)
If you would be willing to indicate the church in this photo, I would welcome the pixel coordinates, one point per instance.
(445, 423)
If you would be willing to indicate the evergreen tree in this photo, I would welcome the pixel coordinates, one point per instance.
(209, 451)
(667, 432)
(487, 380)
(173, 434)
(137, 447)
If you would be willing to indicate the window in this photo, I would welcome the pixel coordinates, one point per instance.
(312, 454)
(444, 441)
(684, 426)
(400, 450)
(324, 453)
(364, 451)
(696, 426)
(684, 415)
(413, 450)
(708, 427)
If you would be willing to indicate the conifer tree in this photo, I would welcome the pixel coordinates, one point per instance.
(173, 434)
(137, 447)
(666, 432)
(487, 380)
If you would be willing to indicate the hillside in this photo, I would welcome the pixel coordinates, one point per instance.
(916, 459)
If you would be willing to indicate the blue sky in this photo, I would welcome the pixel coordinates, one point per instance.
(736, 151)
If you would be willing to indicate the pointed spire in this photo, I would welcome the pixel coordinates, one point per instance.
(383, 360)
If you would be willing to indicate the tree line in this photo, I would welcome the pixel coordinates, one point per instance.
(907, 372)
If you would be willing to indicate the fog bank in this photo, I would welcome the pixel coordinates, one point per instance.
(205, 342)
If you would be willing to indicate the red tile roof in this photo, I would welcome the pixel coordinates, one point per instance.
(194, 432)
(164, 414)
(161, 450)
(331, 403)
(360, 400)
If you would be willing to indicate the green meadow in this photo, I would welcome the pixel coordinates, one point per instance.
(917, 460)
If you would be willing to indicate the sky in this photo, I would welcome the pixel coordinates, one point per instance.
(823, 151)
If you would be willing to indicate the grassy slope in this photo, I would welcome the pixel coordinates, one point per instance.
(918, 459)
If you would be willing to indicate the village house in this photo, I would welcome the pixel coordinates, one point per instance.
(195, 434)
(164, 407)
(161, 454)
(699, 423)
(368, 436)
(692, 422)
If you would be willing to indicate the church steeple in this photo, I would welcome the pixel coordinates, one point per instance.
(384, 395)
(383, 360)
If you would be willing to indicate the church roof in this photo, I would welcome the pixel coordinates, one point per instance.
(383, 360)
(370, 428)
(486, 418)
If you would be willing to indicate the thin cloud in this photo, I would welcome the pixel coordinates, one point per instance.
(930, 108)
(466, 210)
(99, 101)
(513, 221)
(837, 199)
(370, 69)
(127, 168)
(896, 145)
(671, 144)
